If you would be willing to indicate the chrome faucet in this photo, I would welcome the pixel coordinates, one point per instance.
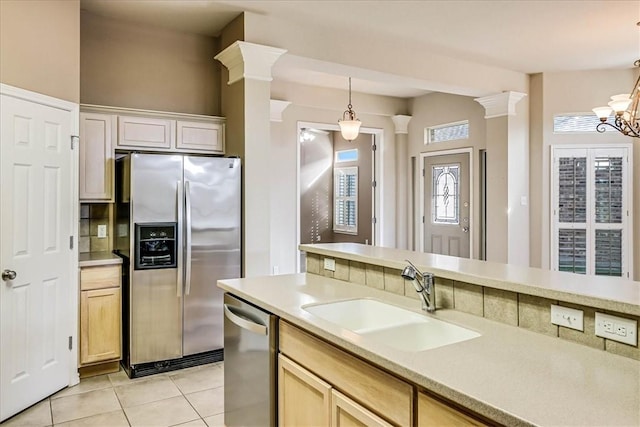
(424, 287)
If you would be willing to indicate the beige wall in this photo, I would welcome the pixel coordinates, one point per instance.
(138, 66)
(40, 46)
(573, 92)
(436, 109)
(324, 106)
(317, 187)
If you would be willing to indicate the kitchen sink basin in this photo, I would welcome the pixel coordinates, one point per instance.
(394, 326)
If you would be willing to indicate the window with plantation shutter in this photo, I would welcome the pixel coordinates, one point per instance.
(345, 196)
(591, 192)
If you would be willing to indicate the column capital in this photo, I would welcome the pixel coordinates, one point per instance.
(401, 122)
(249, 61)
(277, 108)
(501, 104)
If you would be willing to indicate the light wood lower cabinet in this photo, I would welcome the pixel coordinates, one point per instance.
(100, 315)
(322, 385)
(303, 398)
(433, 412)
(347, 413)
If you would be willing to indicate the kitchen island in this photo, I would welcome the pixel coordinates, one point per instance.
(508, 375)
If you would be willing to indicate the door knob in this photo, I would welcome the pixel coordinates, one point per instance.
(9, 275)
(465, 229)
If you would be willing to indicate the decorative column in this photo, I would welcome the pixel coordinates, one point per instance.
(507, 174)
(403, 214)
(246, 103)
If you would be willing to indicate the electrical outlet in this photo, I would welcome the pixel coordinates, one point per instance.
(330, 264)
(567, 317)
(617, 328)
(102, 230)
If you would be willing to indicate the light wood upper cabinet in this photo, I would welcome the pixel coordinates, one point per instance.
(146, 132)
(100, 314)
(96, 148)
(200, 136)
(303, 398)
(433, 412)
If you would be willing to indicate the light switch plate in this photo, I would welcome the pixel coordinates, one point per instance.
(567, 317)
(102, 230)
(330, 264)
(617, 328)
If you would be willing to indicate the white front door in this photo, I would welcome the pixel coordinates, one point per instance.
(447, 205)
(36, 217)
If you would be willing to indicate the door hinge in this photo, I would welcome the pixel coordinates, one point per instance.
(423, 219)
(374, 220)
(70, 343)
(423, 173)
(374, 184)
(72, 138)
(374, 147)
(70, 242)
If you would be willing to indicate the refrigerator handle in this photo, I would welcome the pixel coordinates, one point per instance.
(179, 204)
(187, 227)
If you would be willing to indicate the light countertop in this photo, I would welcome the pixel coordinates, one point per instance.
(94, 259)
(508, 374)
(607, 293)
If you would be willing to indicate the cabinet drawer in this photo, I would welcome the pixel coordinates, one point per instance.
(370, 386)
(433, 412)
(199, 136)
(146, 132)
(99, 277)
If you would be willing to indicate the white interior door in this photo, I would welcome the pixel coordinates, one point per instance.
(447, 205)
(35, 255)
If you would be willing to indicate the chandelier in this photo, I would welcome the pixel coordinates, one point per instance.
(625, 106)
(349, 125)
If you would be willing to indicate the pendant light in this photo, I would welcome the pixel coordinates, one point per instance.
(349, 125)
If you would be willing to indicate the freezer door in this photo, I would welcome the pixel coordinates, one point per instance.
(212, 248)
(155, 308)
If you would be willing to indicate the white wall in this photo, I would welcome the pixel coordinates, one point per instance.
(324, 106)
(573, 92)
(436, 109)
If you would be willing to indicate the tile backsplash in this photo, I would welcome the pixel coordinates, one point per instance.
(92, 215)
(512, 308)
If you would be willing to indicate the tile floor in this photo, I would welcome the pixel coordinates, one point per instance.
(192, 397)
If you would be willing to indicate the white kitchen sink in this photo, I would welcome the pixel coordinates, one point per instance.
(394, 326)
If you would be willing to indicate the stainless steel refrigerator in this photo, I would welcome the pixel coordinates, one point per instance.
(178, 230)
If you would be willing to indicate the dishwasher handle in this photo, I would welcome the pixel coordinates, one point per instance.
(244, 319)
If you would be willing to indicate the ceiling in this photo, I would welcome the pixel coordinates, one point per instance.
(520, 35)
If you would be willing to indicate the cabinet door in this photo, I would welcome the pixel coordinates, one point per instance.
(303, 398)
(146, 132)
(100, 325)
(96, 156)
(200, 136)
(347, 413)
(432, 412)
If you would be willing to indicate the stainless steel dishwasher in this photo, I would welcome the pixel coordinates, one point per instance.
(250, 370)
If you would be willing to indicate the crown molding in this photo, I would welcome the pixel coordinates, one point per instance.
(249, 61)
(501, 104)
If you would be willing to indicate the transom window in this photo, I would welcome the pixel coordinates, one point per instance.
(591, 225)
(578, 123)
(446, 132)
